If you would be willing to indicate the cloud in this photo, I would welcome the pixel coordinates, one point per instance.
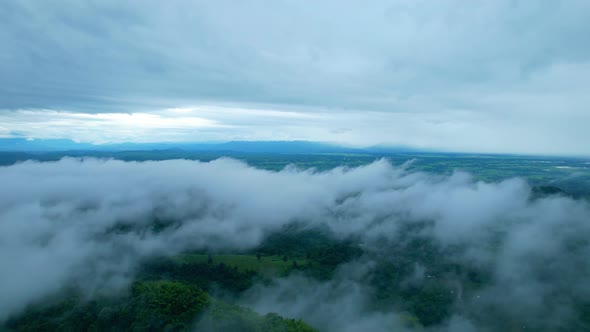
(167, 126)
(89, 222)
(101, 55)
(447, 131)
(456, 75)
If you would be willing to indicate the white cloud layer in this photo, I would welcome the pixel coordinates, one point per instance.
(61, 223)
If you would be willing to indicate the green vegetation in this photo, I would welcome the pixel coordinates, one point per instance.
(167, 304)
(205, 275)
(175, 294)
(315, 251)
(227, 317)
(170, 293)
(268, 265)
(161, 305)
(153, 306)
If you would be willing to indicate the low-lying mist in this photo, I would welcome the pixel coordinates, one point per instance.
(90, 223)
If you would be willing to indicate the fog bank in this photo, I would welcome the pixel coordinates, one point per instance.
(90, 222)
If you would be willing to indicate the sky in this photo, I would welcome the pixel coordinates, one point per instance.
(482, 76)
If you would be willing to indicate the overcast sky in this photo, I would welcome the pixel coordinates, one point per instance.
(481, 76)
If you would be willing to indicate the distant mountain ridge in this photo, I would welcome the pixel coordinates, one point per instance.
(53, 145)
